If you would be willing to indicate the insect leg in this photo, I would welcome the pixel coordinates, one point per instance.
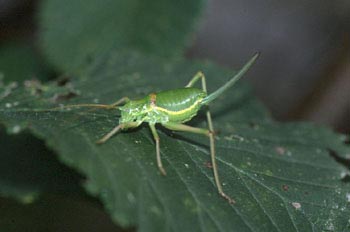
(120, 101)
(116, 130)
(156, 138)
(201, 76)
(210, 134)
(110, 134)
(196, 77)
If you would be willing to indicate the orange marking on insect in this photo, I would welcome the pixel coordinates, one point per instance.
(153, 98)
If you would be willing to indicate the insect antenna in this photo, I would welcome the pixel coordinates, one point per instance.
(231, 82)
(93, 106)
(101, 106)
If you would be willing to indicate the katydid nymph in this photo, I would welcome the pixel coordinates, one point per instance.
(171, 109)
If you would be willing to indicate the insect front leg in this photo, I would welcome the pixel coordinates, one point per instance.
(156, 138)
(121, 101)
(116, 130)
(210, 134)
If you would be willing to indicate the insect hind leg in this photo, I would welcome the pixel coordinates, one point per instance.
(196, 77)
(210, 134)
(200, 75)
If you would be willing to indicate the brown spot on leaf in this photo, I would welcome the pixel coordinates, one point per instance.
(280, 150)
(63, 96)
(8, 89)
(34, 86)
(62, 81)
(285, 187)
(253, 125)
(208, 164)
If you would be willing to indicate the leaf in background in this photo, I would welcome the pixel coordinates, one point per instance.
(281, 175)
(27, 167)
(74, 30)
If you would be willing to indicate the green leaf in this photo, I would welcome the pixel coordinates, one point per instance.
(281, 175)
(74, 30)
(27, 167)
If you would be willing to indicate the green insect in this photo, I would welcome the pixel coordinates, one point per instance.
(171, 109)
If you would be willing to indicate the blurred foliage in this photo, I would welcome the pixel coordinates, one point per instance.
(161, 27)
(54, 213)
(20, 61)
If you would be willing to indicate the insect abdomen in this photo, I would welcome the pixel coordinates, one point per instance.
(180, 105)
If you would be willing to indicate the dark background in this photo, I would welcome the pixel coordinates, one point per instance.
(304, 70)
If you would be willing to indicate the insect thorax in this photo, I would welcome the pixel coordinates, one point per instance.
(141, 111)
